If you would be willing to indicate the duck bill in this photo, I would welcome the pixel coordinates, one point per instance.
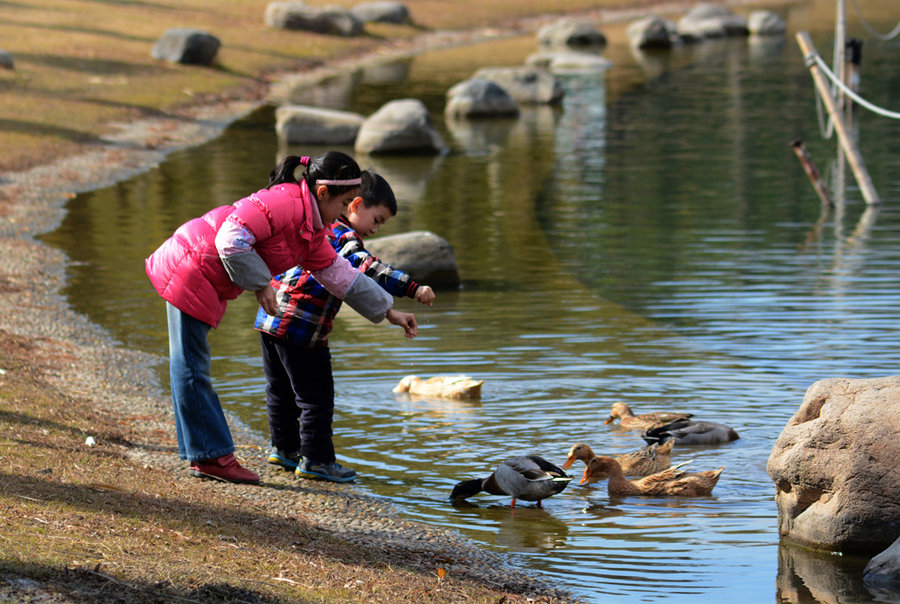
(568, 463)
(609, 420)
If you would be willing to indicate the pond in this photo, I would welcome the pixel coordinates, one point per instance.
(654, 240)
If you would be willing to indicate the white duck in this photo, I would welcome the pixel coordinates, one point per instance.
(457, 387)
(526, 477)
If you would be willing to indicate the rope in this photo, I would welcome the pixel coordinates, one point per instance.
(815, 58)
(884, 37)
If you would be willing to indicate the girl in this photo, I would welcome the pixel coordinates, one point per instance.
(296, 358)
(211, 259)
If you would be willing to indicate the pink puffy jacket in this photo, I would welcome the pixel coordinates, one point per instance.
(186, 269)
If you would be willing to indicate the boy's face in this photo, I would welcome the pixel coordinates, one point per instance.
(366, 220)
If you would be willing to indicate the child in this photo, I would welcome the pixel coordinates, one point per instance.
(211, 259)
(296, 358)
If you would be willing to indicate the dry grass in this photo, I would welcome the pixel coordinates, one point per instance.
(86, 524)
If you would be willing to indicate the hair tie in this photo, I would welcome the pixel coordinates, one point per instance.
(349, 181)
(304, 160)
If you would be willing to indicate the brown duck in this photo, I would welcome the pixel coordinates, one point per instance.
(673, 481)
(647, 460)
(644, 421)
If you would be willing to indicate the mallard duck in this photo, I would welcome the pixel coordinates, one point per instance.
(644, 461)
(644, 421)
(457, 387)
(691, 432)
(526, 477)
(673, 481)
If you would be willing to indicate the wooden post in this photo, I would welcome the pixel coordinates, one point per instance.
(812, 172)
(853, 157)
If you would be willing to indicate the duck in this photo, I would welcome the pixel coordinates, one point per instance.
(671, 481)
(455, 387)
(646, 460)
(644, 421)
(526, 477)
(691, 432)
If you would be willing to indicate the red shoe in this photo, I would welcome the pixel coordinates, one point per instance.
(225, 468)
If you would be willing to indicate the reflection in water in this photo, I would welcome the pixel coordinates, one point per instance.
(806, 576)
(525, 528)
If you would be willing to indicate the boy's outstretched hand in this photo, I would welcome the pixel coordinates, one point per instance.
(425, 295)
(406, 320)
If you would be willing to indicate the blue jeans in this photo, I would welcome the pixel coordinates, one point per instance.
(200, 424)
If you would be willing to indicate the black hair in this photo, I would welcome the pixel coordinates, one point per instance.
(375, 191)
(332, 165)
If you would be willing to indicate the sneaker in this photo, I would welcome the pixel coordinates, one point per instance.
(333, 471)
(288, 461)
(225, 468)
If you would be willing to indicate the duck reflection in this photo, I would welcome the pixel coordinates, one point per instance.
(525, 529)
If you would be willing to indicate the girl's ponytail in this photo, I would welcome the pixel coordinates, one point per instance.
(285, 171)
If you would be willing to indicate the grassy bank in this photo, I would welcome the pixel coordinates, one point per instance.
(81, 65)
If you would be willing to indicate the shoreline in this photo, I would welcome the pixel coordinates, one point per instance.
(88, 362)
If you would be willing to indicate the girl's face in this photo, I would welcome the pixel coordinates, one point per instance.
(366, 220)
(332, 206)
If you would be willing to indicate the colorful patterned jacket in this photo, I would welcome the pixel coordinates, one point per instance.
(306, 310)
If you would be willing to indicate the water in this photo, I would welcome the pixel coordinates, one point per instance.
(654, 241)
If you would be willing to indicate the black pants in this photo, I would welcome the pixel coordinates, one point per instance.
(299, 397)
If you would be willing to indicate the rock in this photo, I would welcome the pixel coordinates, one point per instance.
(479, 98)
(428, 258)
(568, 62)
(188, 46)
(334, 88)
(766, 23)
(652, 32)
(400, 126)
(883, 571)
(835, 466)
(382, 12)
(711, 21)
(302, 124)
(568, 32)
(329, 20)
(526, 85)
(6, 60)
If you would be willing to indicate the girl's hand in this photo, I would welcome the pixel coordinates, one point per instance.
(266, 299)
(405, 320)
(425, 295)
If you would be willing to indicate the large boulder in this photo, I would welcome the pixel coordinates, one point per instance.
(836, 467)
(305, 125)
(525, 85)
(382, 12)
(400, 126)
(766, 23)
(883, 571)
(428, 258)
(477, 98)
(187, 46)
(570, 32)
(711, 21)
(652, 32)
(331, 20)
